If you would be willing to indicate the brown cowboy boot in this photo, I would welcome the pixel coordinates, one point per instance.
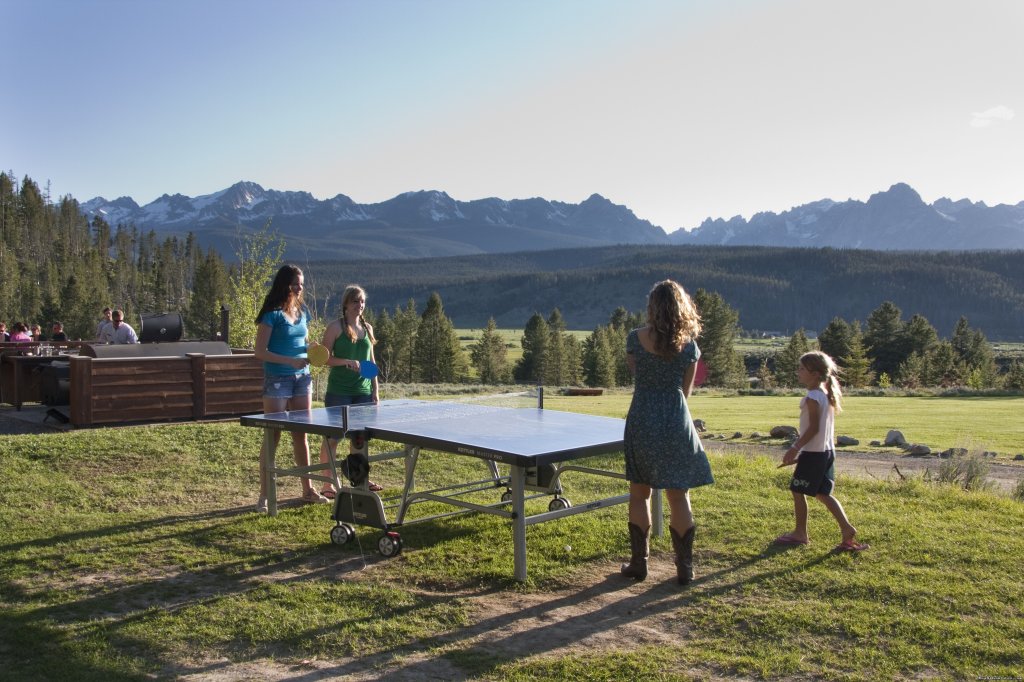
(639, 542)
(684, 554)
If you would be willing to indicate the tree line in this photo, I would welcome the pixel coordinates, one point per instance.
(56, 264)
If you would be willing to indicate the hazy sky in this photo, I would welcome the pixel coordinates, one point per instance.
(679, 110)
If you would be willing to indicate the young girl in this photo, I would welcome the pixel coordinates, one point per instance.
(282, 336)
(350, 340)
(661, 444)
(813, 451)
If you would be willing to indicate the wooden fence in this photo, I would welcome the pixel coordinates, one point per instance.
(143, 389)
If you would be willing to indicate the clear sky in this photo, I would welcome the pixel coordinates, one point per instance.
(680, 110)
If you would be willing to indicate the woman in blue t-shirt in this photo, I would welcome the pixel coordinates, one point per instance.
(282, 336)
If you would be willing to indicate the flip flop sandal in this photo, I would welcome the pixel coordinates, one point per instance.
(329, 494)
(789, 540)
(375, 487)
(851, 546)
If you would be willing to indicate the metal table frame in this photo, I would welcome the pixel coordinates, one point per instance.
(361, 506)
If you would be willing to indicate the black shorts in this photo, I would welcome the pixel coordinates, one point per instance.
(815, 473)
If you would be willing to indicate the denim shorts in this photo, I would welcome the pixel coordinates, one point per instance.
(287, 385)
(335, 399)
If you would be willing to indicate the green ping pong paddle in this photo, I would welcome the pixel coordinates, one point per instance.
(318, 355)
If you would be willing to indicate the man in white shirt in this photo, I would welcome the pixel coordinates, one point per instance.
(118, 331)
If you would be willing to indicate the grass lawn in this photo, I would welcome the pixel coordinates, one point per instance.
(977, 423)
(131, 554)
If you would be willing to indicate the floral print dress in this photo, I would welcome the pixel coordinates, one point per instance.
(661, 442)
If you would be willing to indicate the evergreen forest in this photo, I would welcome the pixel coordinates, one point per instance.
(57, 264)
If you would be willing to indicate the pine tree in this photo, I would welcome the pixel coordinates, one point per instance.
(562, 354)
(834, 339)
(402, 342)
(717, 340)
(490, 356)
(437, 350)
(856, 365)
(764, 375)
(943, 366)
(884, 338)
(975, 352)
(913, 371)
(1015, 376)
(620, 323)
(787, 361)
(530, 366)
(209, 293)
(599, 358)
(920, 336)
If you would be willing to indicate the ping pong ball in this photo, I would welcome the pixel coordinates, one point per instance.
(568, 548)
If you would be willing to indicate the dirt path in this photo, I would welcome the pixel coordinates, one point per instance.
(881, 466)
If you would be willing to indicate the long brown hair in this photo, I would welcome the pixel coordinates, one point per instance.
(280, 296)
(826, 368)
(672, 318)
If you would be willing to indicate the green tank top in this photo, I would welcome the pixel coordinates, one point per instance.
(342, 380)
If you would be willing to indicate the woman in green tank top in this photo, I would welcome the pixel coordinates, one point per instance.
(350, 340)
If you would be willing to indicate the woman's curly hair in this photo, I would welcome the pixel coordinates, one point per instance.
(672, 317)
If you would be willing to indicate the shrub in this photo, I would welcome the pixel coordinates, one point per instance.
(1018, 492)
(969, 472)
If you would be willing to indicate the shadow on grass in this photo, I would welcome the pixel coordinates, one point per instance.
(517, 632)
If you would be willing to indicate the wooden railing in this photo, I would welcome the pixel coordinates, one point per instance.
(197, 386)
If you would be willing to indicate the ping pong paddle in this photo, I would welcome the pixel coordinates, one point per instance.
(368, 369)
(318, 355)
(701, 374)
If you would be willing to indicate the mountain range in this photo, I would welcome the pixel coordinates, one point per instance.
(430, 223)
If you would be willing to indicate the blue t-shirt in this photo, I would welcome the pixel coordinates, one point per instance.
(286, 338)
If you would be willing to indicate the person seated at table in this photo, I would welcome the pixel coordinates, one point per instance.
(20, 330)
(103, 323)
(36, 332)
(4, 336)
(58, 332)
(119, 331)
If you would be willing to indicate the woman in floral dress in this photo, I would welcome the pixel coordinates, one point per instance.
(662, 448)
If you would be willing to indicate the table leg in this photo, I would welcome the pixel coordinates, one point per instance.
(518, 485)
(268, 477)
(657, 513)
(16, 386)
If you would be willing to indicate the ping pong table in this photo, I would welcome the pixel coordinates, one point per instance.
(535, 444)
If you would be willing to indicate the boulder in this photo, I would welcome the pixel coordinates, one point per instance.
(918, 450)
(988, 453)
(784, 432)
(875, 443)
(1018, 458)
(895, 437)
(737, 435)
(757, 434)
(953, 452)
(846, 440)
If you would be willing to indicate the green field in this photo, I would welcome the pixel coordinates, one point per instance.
(131, 554)
(976, 422)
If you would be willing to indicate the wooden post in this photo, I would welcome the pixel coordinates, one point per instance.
(81, 390)
(198, 384)
(225, 313)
